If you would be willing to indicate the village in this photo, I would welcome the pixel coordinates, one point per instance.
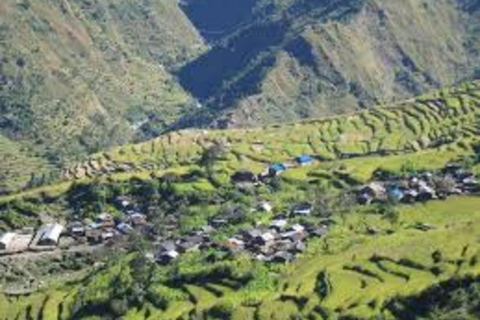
(279, 241)
(423, 186)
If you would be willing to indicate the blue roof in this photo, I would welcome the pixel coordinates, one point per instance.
(278, 167)
(304, 159)
(396, 193)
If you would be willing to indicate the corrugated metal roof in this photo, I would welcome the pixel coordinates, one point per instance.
(51, 232)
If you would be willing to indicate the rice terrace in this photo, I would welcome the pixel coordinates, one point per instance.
(371, 257)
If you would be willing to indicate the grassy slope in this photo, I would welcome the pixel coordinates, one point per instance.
(433, 124)
(78, 75)
(17, 165)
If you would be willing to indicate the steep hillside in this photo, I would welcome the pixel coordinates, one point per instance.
(299, 59)
(80, 76)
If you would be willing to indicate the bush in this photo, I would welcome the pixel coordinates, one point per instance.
(161, 296)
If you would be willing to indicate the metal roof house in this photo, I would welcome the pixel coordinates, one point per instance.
(304, 159)
(166, 256)
(6, 239)
(49, 234)
(304, 209)
(124, 228)
(276, 169)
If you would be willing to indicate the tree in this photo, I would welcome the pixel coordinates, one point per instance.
(210, 156)
(444, 185)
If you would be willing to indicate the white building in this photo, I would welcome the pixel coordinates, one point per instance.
(6, 239)
(49, 234)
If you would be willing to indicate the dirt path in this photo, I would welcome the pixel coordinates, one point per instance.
(29, 255)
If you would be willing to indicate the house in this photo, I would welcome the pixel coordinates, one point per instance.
(6, 240)
(261, 257)
(293, 236)
(373, 191)
(282, 257)
(167, 256)
(138, 219)
(107, 235)
(20, 241)
(124, 228)
(303, 209)
(191, 243)
(265, 206)
(425, 192)
(235, 244)
(76, 229)
(243, 176)
(219, 222)
(167, 246)
(299, 246)
(105, 220)
(266, 239)
(123, 202)
(206, 229)
(252, 234)
(278, 224)
(470, 183)
(452, 168)
(395, 193)
(409, 196)
(49, 234)
(304, 160)
(94, 236)
(297, 228)
(277, 169)
(318, 232)
(94, 226)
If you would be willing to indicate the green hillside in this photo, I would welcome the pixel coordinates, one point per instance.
(436, 123)
(352, 273)
(80, 76)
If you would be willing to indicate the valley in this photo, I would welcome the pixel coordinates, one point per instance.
(239, 160)
(369, 262)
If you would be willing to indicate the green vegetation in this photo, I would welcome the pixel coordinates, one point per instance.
(347, 274)
(350, 273)
(427, 132)
(80, 76)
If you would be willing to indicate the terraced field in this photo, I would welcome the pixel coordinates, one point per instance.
(350, 273)
(438, 122)
(17, 163)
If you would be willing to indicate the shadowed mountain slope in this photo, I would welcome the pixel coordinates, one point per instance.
(310, 58)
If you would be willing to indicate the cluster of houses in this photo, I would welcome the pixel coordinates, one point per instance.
(248, 177)
(47, 237)
(106, 227)
(420, 187)
(280, 241)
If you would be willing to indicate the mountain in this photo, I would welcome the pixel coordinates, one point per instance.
(79, 76)
(298, 59)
